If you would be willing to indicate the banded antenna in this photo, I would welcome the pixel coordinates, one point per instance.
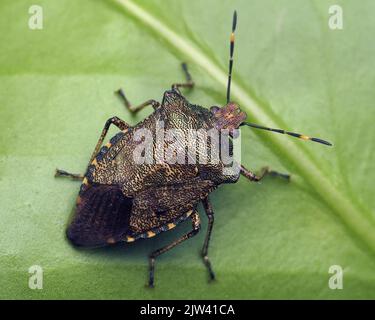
(234, 24)
(293, 134)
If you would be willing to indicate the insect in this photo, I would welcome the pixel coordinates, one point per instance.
(121, 200)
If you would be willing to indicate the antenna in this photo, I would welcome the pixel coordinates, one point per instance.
(293, 134)
(234, 24)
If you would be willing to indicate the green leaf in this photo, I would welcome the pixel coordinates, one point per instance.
(270, 240)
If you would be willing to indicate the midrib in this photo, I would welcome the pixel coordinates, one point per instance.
(311, 173)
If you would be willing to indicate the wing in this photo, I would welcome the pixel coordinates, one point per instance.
(102, 216)
(162, 208)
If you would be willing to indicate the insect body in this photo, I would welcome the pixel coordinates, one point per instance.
(122, 199)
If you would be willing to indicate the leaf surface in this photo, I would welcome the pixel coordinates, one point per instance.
(270, 240)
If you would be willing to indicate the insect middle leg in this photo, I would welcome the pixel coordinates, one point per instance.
(196, 223)
(210, 216)
(264, 171)
(135, 109)
(122, 125)
(189, 81)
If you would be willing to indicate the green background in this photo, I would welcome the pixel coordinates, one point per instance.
(272, 239)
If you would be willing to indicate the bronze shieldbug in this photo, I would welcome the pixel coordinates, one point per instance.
(121, 200)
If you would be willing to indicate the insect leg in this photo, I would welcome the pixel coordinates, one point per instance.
(210, 215)
(74, 176)
(122, 125)
(189, 82)
(265, 171)
(135, 109)
(196, 226)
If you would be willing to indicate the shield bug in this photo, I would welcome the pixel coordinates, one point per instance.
(122, 199)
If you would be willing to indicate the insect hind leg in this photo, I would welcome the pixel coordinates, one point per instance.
(196, 223)
(73, 176)
(189, 81)
(122, 125)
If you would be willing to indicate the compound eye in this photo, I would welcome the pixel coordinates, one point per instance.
(214, 109)
(234, 133)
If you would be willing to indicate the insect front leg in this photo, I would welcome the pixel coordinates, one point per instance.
(135, 109)
(189, 81)
(196, 223)
(210, 216)
(264, 171)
